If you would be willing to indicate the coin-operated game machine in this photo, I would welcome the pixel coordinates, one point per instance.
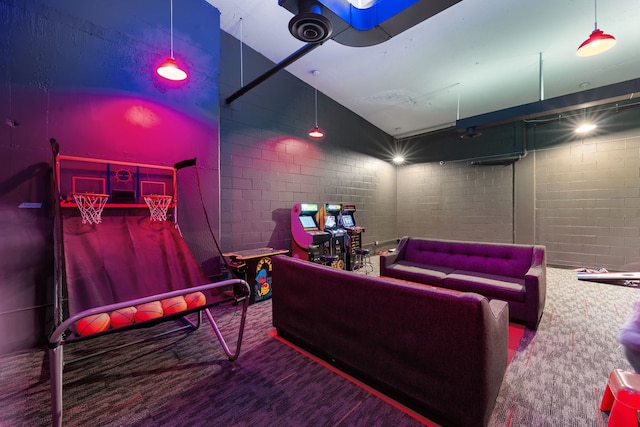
(354, 232)
(307, 239)
(329, 221)
(254, 266)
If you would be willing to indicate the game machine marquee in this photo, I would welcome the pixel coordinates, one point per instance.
(307, 240)
(329, 221)
(354, 232)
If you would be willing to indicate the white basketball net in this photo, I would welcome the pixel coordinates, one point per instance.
(158, 206)
(90, 206)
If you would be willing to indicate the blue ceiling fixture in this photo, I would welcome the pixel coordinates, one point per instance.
(358, 27)
(316, 21)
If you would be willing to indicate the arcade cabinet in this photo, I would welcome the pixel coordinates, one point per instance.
(354, 233)
(307, 239)
(328, 219)
(254, 266)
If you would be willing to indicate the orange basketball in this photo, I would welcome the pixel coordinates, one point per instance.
(148, 311)
(173, 305)
(123, 317)
(93, 324)
(195, 299)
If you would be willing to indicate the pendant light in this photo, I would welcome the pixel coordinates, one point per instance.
(598, 41)
(169, 68)
(315, 132)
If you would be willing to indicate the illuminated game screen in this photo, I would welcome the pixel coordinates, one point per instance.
(329, 221)
(307, 221)
(347, 221)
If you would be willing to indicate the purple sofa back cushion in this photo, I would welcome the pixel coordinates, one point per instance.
(490, 258)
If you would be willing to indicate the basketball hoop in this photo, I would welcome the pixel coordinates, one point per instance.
(158, 206)
(90, 206)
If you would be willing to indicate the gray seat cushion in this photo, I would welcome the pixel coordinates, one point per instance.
(419, 273)
(489, 285)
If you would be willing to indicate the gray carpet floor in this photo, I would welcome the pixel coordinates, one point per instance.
(556, 377)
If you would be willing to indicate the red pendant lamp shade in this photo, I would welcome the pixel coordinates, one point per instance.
(316, 132)
(169, 69)
(598, 41)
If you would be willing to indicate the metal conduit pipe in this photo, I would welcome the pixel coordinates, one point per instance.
(279, 66)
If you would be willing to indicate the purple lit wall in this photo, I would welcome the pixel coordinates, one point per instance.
(84, 73)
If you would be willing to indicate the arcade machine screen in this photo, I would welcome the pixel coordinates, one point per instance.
(329, 222)
(307, 221)
(347, 221)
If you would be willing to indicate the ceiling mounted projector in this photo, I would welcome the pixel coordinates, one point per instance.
(310, 27)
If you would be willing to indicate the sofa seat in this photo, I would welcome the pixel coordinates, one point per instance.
(514, 273)
(489, 285)
(421, 273)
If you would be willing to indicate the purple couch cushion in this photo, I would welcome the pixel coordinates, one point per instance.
(419, 273)
(489, 285)
(489, 258)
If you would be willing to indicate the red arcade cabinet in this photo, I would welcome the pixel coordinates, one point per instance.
(354, 232)
(307, 240)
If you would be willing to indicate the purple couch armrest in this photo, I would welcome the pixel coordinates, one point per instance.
(386, 260)
(392, 257)
(535, 281)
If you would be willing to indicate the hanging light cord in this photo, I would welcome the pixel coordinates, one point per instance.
(316, 107)
(172, 30)
(595, 14)
(315, 87)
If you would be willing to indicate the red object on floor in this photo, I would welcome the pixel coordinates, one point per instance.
(516, 331)
(622, 398)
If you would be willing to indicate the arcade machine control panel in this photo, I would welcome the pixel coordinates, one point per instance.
(354, 232)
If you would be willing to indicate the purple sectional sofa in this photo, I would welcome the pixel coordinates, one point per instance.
(512, 273)
(442, 353)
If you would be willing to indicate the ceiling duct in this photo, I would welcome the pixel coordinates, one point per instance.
(616, 92)
(470, 133)
(497, 161)
(309, 25)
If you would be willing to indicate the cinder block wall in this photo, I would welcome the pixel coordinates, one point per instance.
(457, 201)
(588, 201)
(268, 163)
(585, 199)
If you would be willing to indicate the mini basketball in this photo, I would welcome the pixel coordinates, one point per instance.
(93, 324)
(174, 305)
(195, 299)
(123, 317)
(148, 311)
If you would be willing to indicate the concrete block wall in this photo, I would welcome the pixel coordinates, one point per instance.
(457, 201)
(585, 199)
(263, 178)
(588, 202)
(268, 163)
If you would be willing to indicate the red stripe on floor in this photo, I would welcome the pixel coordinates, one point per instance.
(363, 386)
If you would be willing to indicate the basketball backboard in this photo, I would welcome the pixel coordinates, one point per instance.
(126, 183)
